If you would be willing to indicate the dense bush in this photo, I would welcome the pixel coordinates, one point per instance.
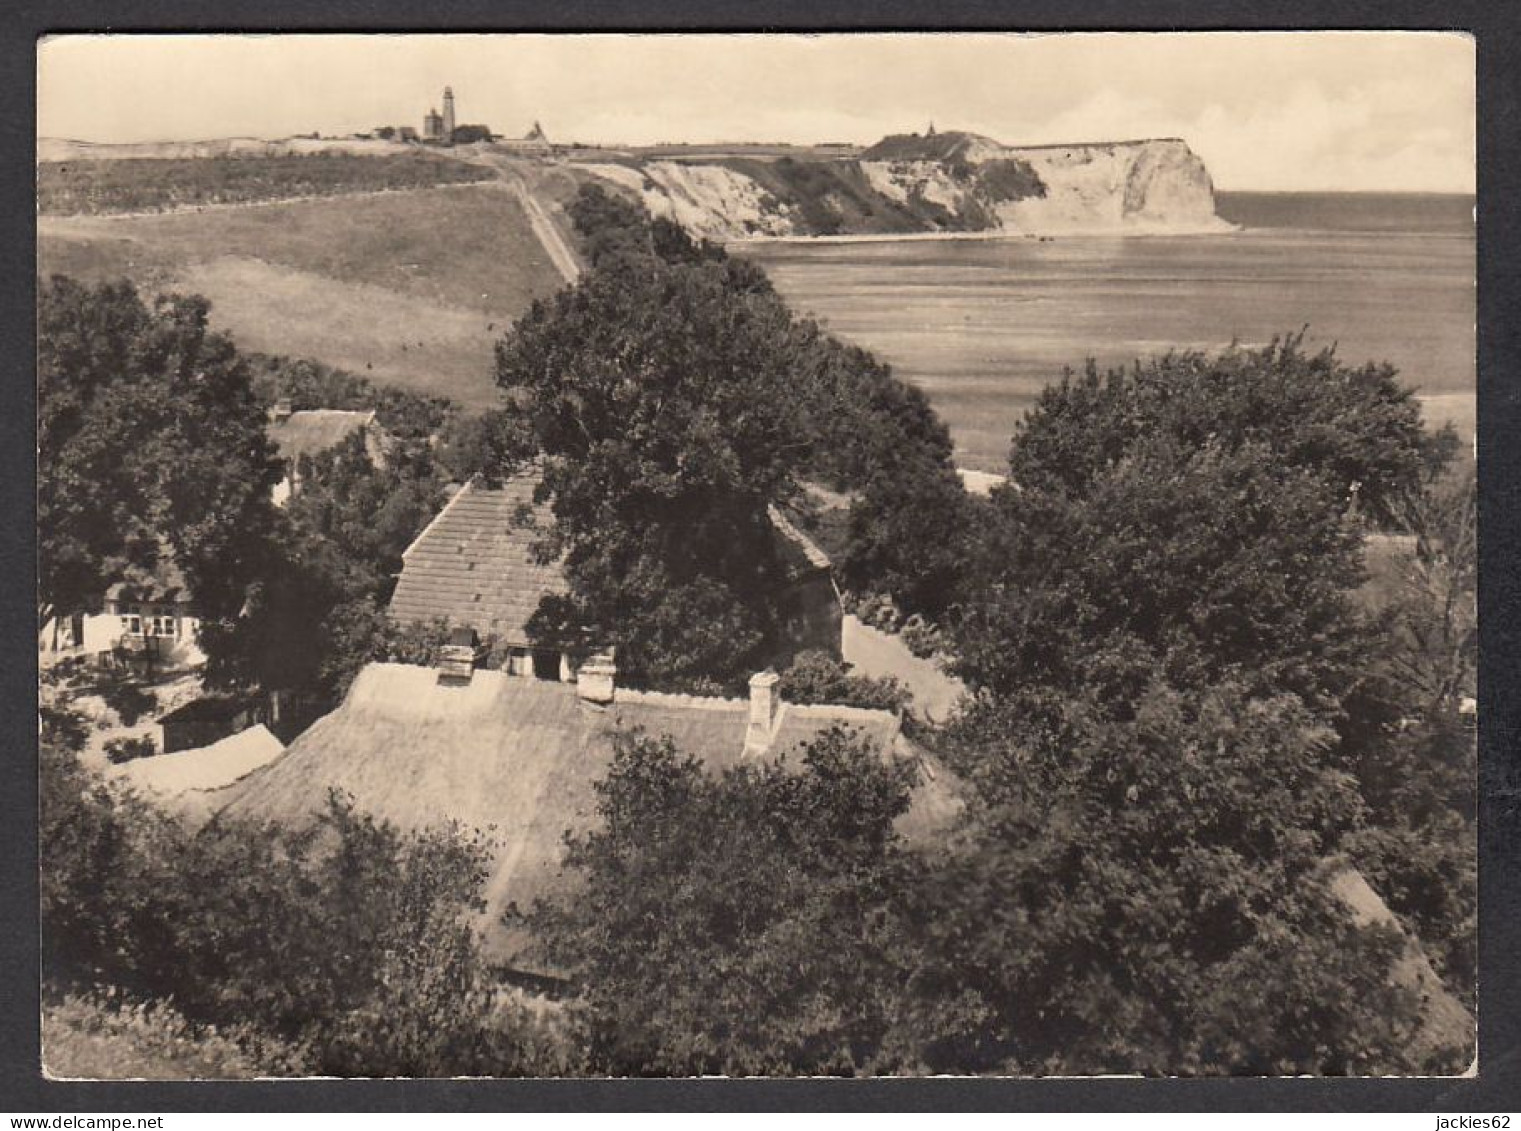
(1005, 179)
(350, 943)
(106, 1035)
(817, 677)
(740, 924)
(119, 750)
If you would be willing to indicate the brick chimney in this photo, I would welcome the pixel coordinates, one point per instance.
(598, 678)
(280, 411)
(765, 709)
(458, 656)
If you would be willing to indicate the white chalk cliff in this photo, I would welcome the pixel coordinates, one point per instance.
(1135, 185)
(956, 182)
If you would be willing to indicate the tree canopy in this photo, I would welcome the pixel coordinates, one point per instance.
(664, 422)
(667, 400)
(735, 924)
(152, 453)
(327, 571)
(1357, 427)
(1147, 895)
(1177, 719)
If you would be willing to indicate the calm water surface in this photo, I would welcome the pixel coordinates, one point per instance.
(983, 325)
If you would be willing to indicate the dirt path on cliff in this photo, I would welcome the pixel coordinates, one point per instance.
(560, 253)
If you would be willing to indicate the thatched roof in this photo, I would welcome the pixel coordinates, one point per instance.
(189, 782)
(517, 758)
(473, 564)
(312, 431)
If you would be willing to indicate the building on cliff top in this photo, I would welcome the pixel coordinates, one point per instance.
(473, 567)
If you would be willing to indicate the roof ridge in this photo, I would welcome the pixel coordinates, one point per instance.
(633, 695)
(843, 710)
(445, 509)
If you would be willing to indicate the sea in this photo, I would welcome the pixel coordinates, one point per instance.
(982, 325)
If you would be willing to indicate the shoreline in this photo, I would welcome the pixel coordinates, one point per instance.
(1048, 235)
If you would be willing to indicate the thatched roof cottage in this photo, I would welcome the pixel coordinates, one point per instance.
(518, 759)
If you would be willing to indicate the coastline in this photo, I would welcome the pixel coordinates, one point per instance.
(1220, 227)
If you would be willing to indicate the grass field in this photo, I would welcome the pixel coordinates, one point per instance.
(408, 288)
(86, 187)
(390, 338)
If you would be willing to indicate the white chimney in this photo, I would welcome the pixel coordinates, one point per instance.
(765, 708)
(597, 678)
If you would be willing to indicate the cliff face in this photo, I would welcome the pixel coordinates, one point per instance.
(710, 201)
(950, 182)
(1139, 185)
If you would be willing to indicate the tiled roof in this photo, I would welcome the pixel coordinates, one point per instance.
(315, 430)
(473, 565)
(518, 758)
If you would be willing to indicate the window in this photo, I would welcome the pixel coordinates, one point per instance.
(132, 624)
(163, 626)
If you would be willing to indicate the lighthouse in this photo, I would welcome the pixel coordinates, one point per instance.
(448, 137)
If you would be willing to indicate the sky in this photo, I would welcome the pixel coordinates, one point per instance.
(1281, 111)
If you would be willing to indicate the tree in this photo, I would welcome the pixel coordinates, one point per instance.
(1413, 750)
(152, 453)
(1434, 606)
(1175, 722)
(908, 537)
(1357, 427)
(663, 417)
(739, 924)
(666, 401)
(1200, 563)
(1144, 895)
(340, 546)
(879, 439)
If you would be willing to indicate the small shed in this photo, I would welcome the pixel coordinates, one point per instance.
(204, 721)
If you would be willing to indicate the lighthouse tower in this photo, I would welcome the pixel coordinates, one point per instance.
(448, 115)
